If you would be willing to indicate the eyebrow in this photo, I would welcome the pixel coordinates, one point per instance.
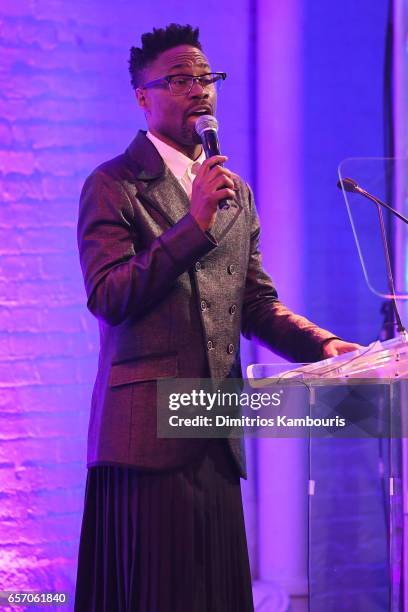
(188, 65)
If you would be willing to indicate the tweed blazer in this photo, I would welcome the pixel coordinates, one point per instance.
(171, 301)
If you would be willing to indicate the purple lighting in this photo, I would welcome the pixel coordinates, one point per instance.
(66, 105)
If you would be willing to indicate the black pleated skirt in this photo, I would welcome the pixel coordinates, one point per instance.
(168, 541)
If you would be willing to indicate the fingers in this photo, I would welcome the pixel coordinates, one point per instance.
(219, 172)
(224, 194)
(219, 181)
(212, 185)
(210, 162)
(339, 347)
(217, 176)
(214, 164)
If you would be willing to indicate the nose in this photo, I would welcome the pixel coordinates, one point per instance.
(198, 90)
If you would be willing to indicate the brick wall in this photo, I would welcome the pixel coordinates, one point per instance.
(57, 121)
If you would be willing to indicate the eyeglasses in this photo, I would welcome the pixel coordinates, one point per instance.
(182, 84)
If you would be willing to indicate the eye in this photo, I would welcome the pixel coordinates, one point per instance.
(207, 79)
(180, 80)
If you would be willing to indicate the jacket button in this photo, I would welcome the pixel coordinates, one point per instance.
(231, 269)
(197, 266)
(203, 304)
(210, 345)
(230, 349)
(233, 309)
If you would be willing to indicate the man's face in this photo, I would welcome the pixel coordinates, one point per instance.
(172, 117)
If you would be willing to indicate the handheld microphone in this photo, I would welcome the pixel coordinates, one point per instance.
(206, 127)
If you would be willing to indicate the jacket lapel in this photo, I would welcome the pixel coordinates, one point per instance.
(156, 184)
(224, 220)
(158, 187)
(168, 196)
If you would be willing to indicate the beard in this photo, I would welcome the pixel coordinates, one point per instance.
(189, 135)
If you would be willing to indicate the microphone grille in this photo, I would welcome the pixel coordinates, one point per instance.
(348, 184)
(206, 122)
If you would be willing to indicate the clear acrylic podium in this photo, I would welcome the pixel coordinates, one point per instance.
(356, 516)
(358, 475)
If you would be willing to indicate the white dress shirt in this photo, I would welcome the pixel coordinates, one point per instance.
(183, 168)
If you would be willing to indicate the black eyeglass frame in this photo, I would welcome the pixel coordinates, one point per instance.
(221, 77)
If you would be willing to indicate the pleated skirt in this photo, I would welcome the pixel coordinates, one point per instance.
(168, 541)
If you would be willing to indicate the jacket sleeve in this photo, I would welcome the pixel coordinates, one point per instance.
(267, 320)
(121, 277)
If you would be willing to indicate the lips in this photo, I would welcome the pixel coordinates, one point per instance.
(197, 111)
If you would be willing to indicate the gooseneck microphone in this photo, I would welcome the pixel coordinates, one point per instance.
(350, 185)
(206, 127)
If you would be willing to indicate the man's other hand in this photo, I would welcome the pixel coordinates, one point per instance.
(335, 347)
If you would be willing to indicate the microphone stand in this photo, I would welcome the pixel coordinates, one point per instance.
(350, 185)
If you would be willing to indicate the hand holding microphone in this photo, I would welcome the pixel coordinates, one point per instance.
(213, 184)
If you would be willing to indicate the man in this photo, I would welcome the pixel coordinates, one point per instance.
(173, 281)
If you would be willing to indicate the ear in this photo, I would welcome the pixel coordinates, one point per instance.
(141, 98)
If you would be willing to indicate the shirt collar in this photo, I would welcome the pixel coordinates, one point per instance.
(175, 160)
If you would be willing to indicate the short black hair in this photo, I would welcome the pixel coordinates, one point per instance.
(154, 43)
